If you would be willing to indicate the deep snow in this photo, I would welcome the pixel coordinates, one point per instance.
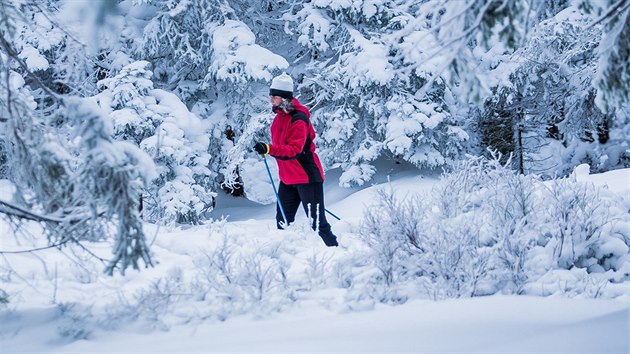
(41, 286)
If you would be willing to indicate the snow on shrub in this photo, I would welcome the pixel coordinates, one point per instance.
(486, 229)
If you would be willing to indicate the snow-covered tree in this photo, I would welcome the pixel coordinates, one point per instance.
(161, 124)
(367, 104)
(78, 185)
(203, 51)
(545, 111)
(384, 78)
(71, 175)
(613, 72)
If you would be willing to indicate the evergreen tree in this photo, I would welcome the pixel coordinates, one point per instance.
(613, 73)
(162, 126)
(71, 175)
(369, 101)
(203, 52)
(547, 107)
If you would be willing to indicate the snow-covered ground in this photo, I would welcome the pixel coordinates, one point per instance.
(495, 324)
(60, 302)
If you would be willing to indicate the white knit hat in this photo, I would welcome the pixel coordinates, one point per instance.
(282, 85)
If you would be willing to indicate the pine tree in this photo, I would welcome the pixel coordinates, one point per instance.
(159, 123)
(203, 51)
(369, 102)
(547, 105)
(71, 175)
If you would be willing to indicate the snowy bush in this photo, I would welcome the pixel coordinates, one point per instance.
(75, 323)
(392, 228)
(228, 281)
(486, 229)
(156, 302)
(576, 217)
(412, 240)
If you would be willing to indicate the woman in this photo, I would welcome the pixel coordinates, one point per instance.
(301, 173)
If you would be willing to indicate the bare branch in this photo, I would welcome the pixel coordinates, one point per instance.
(56, 245)
(620, 6)
(17, 211)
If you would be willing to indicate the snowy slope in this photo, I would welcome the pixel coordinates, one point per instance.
(286, 293)
(494, 324)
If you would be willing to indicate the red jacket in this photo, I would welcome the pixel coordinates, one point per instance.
(292, 136)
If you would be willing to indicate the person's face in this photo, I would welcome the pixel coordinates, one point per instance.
(275, 100)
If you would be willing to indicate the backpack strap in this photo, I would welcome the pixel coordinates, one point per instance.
(299, 115)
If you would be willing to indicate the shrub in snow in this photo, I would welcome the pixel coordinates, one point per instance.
(156, 301)
(486, 229)
(585, 228)
(460, 257)
(501, 205)
(76, 321)
(576, 217)
(391, 229)
(175, 138)
(228, 280)
(576, 282)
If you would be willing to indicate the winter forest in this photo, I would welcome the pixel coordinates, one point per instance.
(124, 119)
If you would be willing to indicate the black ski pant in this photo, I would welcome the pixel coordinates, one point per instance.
(311, 196)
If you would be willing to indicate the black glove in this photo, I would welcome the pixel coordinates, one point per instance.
(261, 148)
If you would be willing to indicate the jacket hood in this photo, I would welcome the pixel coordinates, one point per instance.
(298, 106)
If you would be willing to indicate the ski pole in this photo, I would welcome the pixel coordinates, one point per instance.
(278, 198)
(275, 190)
(334, 216)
